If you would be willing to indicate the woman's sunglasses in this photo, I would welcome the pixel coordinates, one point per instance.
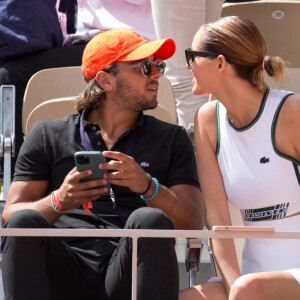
(146, 67)
(191, 54)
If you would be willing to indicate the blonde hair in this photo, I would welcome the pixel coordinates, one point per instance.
(243, 46)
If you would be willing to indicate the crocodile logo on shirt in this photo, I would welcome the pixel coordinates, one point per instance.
(264, 160)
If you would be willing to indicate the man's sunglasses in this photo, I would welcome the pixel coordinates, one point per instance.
(191, 54)
(146, 67)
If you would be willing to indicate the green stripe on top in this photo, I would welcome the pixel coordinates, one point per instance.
(294, 161)
(217, 117)
(273, 130)
(297, 172)
(263, 209)
(260, 111)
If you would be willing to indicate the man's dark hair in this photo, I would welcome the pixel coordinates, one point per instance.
(93, 95)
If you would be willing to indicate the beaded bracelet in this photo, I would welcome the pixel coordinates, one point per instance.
(154, 193)
(149, 185)
(56, 204)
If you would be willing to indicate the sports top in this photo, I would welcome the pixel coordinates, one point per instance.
(262, 182)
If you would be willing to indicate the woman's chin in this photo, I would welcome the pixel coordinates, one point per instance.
(196, 91)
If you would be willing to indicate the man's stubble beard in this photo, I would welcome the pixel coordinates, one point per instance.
(131, 99)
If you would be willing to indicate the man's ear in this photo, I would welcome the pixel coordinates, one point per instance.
(104, 80)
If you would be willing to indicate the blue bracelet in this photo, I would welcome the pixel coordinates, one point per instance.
(154, 193)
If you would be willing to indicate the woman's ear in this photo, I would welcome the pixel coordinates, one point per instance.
(104, 81)
(221, 61)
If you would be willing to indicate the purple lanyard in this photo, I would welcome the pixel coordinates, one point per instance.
(133, 139)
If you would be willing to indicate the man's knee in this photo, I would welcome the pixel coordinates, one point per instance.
(149, 218)
(27, 218)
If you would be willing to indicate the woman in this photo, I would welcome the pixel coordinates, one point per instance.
(248, 153)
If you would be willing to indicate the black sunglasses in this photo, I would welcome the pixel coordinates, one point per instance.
(191, 54)
(146, 67)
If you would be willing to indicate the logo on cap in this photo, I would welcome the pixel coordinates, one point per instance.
(136, 33)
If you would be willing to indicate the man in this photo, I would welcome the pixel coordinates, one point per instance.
(40, 35)
(123, 70)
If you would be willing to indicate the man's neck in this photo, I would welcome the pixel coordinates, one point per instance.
(113, 123)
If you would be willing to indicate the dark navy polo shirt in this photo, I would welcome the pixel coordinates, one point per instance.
(163, 150)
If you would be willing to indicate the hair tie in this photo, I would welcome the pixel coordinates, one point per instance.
(266, 58)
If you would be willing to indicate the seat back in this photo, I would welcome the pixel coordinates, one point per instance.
(60, 107)
(50, 110)
(49, 84)
(279, 23)
(68, 82)
(166, 98)
(236, 220)
(7, 135)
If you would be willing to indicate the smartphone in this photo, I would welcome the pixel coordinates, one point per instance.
(90, 160)
(242, 228)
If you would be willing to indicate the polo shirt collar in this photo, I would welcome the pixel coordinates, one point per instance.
(139, 122)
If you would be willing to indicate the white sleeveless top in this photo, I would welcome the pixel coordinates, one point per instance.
(262, 182)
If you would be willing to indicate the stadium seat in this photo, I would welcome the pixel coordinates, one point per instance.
(279, 23)
(68, 82)
(60, 107)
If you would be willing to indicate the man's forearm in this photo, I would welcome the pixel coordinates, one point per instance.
(43, 206)
(182, 204)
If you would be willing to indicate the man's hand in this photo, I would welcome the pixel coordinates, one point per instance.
(127, 172)
(73, 193)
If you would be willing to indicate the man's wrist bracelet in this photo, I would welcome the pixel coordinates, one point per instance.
(154, 193)
(56, 204)
(149, 185)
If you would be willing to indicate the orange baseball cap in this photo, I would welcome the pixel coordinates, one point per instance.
(121, 45)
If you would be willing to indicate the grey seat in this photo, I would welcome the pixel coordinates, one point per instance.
(7, 147)
(279, 22)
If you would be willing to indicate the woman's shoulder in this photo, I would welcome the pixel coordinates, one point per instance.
(206, 113)
(288, 139)
(291, 107)
(205, 124)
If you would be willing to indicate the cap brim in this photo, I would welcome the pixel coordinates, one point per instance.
(161, 49)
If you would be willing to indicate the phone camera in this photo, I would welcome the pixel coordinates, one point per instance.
(83, 159)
